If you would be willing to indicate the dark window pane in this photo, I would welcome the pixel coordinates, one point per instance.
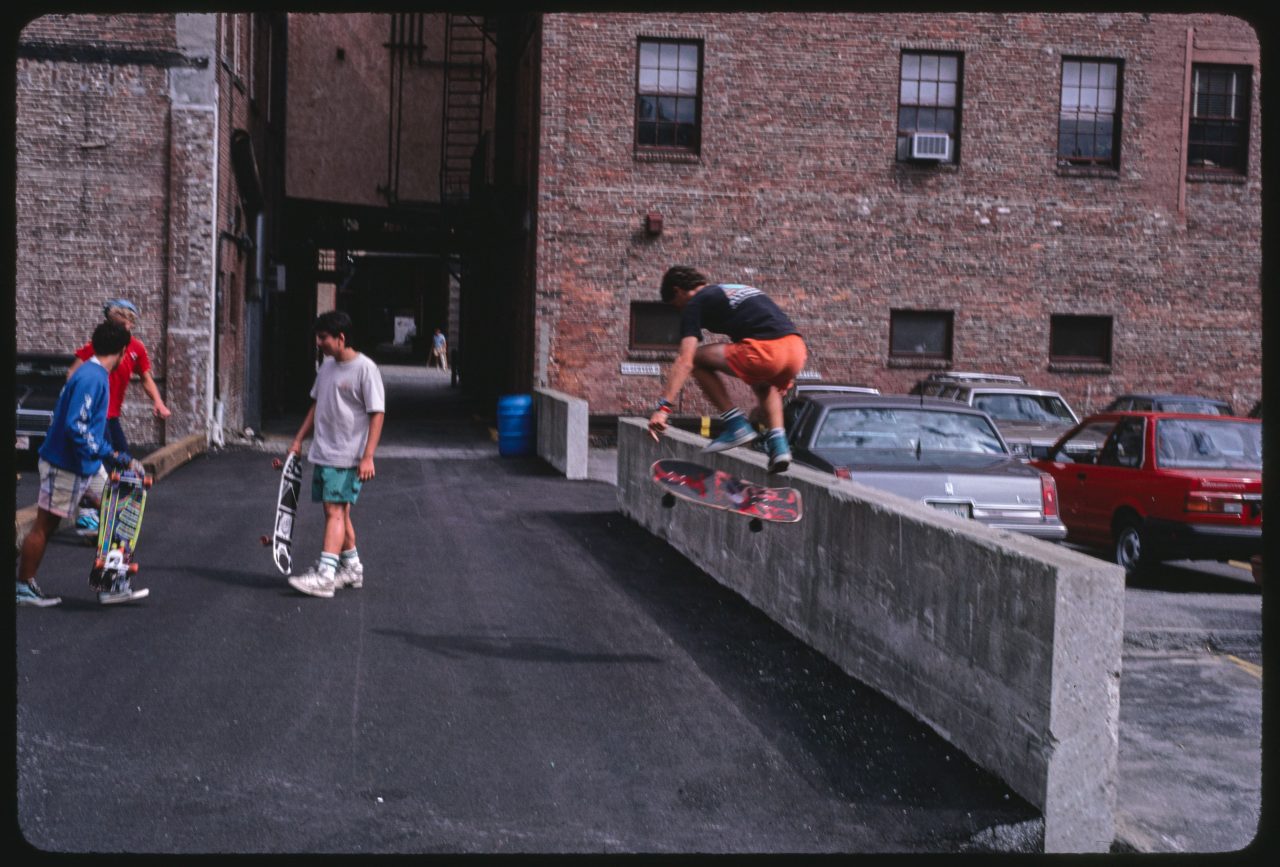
(654, 325)
(645, 107)
(646, 133)
(685, 110)
(946, 120)
(906, 117)
(686, 135)
(666, 134)
(1080, 338)
(927, 119)
(920, 333)
(666, 108)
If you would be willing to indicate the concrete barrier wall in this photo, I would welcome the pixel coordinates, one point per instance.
(562, 431)
(1007, 646)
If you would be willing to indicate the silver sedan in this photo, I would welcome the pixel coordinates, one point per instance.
(946, 455)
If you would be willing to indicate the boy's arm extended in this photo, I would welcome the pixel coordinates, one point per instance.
(366, 470)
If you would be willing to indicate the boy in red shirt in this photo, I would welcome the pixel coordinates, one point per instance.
(134, 360)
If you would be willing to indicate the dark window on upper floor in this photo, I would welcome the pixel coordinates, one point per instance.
(1218, 137)
(1089, 112)
(929, 99)
(654, 325)
(1080, 339)
(920, 334)
(668, 96)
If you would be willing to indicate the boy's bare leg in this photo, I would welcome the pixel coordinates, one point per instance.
(33, 547)
(770, 403)
(336, 521)
(348, 530)
(706, 362)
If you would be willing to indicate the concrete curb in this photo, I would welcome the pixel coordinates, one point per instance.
(159, 464)
(1197, 639)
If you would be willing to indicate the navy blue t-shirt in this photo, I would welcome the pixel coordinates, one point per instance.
(736, 310)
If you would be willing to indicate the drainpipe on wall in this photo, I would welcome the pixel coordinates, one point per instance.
(213, 409)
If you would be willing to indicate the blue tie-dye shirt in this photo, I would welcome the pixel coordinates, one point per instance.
(77, 440)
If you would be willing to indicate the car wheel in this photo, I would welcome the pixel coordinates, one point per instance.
(1132, 548)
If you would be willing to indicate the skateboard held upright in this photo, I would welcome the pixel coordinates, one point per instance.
(119, 522)
(281, 541)
(719, 490)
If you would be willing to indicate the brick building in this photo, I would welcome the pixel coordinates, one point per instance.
(136, 177)
(1090, 216)
(1072, 236)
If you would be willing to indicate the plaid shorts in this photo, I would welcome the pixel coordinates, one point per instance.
(60, 490)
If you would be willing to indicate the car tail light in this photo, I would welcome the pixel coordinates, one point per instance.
(843, 473)
(1049, 495)
(1215, 503)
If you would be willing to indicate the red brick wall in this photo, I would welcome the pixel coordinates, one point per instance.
(91, 191)
(797, 191)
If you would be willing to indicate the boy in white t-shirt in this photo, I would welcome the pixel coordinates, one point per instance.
(347, 408)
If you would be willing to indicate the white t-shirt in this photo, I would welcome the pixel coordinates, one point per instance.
(345, 393)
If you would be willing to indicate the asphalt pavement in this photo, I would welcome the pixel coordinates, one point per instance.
(526, 670)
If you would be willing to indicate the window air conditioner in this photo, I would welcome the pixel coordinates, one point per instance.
(931, 146)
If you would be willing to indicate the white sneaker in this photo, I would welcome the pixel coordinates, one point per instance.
(313, 582)
(349, 576)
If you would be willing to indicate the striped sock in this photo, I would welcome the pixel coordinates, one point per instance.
(328, 564)
(730, 415)
(351, 558)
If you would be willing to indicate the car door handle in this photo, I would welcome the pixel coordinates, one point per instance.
(1081, 476)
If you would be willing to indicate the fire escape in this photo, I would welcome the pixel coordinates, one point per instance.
(465, 80)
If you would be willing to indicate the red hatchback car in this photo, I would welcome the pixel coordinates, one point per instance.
(1161, 486)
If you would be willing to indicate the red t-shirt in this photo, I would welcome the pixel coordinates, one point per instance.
(134, 358)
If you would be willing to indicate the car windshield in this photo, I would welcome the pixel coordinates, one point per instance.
(1190, 406)
(1206, 444)
(1024, 407)
(905, 430)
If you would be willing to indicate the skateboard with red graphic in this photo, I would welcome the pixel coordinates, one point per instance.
(717, 489)
(281, 540)
(119, 522)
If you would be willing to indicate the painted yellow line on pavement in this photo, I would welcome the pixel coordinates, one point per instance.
(1255, 670)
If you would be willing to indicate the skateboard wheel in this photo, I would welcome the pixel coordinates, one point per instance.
(266, 540)
(147, 481)
(756, 525)
(133, 568)
(276, 463)
(98, 563)
(668, 500)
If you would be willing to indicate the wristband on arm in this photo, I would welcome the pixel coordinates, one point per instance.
(664, 405)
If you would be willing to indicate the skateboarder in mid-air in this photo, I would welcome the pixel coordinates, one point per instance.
(72, 454)
(347, 409)
(766, 353)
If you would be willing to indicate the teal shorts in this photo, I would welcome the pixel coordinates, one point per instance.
(335, 484)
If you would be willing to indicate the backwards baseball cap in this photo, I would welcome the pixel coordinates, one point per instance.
(119, 304)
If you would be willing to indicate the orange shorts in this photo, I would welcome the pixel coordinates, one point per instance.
(773, 361)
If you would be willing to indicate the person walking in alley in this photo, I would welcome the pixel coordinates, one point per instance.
(73, 453)
(134, 359)
(766, 353)
(439, 350)
(346, 415)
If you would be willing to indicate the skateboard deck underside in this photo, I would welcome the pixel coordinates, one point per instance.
(719, 490)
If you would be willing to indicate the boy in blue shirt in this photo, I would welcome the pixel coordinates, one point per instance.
(74, 449)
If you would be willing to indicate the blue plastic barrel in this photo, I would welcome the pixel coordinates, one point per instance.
(515, 425)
